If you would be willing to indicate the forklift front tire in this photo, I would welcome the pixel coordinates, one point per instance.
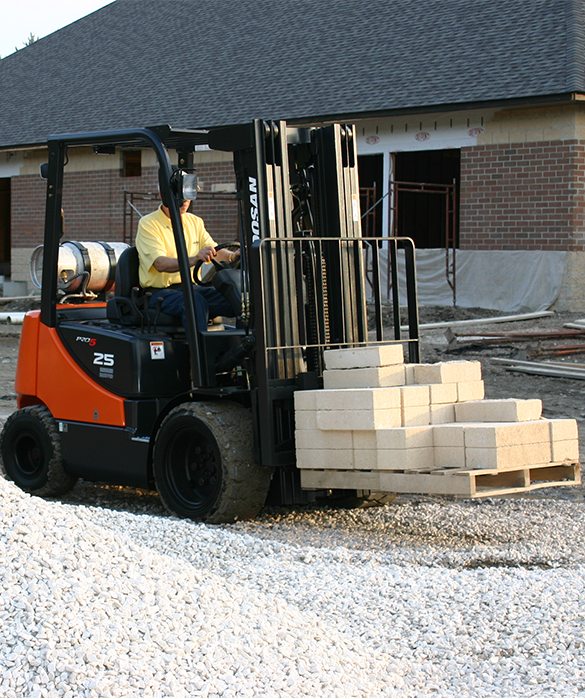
(31, 453)
(203, 462)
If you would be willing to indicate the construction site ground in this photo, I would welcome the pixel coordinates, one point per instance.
(426, 596)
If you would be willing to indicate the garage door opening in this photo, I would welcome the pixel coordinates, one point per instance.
(425, 197)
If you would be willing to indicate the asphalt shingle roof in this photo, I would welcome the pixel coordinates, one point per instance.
(207, 62)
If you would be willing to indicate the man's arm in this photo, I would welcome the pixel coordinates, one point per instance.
(206, 254)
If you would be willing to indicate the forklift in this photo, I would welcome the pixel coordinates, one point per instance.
(113, 391)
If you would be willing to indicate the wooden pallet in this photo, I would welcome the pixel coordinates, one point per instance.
(477, 483)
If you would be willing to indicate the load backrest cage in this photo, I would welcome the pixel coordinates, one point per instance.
(311, 315)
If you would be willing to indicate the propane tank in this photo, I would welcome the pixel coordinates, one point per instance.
(86, 266)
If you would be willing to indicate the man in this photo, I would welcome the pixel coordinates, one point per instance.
(159, 266)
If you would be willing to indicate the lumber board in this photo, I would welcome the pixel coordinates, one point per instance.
(543, 371)
(561, 369)
(482, 321)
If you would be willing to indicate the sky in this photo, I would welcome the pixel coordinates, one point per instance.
(41, 17)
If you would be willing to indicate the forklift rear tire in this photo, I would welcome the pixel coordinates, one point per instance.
(203, 463)
(30, 445)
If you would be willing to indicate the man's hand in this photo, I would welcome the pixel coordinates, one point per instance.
(206, 254)
(233, 256)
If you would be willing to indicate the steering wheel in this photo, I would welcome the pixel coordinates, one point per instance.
(218, 265)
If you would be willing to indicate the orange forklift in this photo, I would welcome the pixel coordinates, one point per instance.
(113, 391)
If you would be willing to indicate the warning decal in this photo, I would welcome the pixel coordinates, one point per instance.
(157, 350)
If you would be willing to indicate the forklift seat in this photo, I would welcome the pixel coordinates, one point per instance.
(130, 304)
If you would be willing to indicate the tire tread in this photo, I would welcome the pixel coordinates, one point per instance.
(245, 483)
(58, 480)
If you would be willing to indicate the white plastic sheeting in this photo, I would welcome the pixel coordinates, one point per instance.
(515, 281)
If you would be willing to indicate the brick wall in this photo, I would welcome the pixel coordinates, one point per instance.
(94, 204)
(528, 196)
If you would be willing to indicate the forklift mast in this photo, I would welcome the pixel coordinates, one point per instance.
(301, 227)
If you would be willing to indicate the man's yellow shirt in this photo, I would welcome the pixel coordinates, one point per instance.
(154, 238)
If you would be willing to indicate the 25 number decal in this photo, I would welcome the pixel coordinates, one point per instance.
(102, 359)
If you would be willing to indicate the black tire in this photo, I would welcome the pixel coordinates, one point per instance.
(30, 445)
(203, 463)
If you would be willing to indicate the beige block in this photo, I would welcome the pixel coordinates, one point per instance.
(306, 420)
(563, 428)
(414, 396)
(365, 459)
(503, 410)
(319, 439)
(325, 458)
(508, 458)
(395, 459)
(306, 400)
(366, 439)
(349, 480)
(448, 436)
(416, 415)
(439, 414)
(20, 257)
(359, 398)
(565, 450)
(470, 390)
(406, 459)
(364, 378)
(449, 457)
(447, 372)
(358, 419)
(429, 483)
(505, 434)
(443, 393)
(409, 374)
(404, 437)
(364, 357)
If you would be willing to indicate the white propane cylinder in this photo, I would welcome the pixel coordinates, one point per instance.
(97, 258)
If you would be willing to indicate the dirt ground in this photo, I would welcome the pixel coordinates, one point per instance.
(560, 397)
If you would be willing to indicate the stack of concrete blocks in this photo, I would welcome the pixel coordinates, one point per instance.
(376, 413)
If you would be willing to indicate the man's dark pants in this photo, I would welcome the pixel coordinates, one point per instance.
(208, 303)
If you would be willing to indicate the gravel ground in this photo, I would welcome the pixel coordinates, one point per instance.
(104, 594)
(423, 597)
